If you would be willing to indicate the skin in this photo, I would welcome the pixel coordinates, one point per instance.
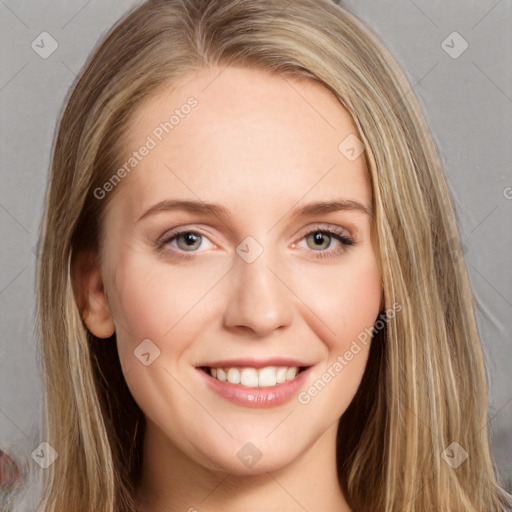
(261, 146)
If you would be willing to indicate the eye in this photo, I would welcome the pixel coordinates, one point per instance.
(322, 238)
(190, 239)
(183, 241)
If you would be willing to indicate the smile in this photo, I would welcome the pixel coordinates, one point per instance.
(248, 386)
(268, 376)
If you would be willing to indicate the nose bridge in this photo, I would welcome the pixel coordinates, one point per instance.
(258, 298)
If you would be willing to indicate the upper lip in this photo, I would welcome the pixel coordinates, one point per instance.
(256, 362)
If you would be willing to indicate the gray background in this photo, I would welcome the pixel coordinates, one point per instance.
(468, 104)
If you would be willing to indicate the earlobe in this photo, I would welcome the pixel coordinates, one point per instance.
(90, 295)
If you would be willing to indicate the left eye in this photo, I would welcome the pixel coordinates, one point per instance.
(321, 239)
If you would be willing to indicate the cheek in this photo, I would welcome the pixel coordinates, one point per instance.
(346, 300)
(156, 301)
(348, 306)
(152, 305)
(139, 308)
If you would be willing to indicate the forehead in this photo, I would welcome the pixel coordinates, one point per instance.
(248, 134)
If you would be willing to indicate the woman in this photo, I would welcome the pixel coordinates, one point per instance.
(267, 370)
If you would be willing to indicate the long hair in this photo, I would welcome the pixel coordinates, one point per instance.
(424, 386)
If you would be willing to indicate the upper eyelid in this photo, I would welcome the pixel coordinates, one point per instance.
(179, 230)
(324, 226)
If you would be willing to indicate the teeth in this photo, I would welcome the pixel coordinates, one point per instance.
(249, 377)
(267, 376)
(281, 374)
(233, 375)
(253, 377)
(291, 373)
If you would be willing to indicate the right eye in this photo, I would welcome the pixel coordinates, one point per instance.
(182, 241)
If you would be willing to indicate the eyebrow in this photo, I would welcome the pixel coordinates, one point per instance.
(219, 211)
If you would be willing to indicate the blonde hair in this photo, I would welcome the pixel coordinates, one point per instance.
(424, 386)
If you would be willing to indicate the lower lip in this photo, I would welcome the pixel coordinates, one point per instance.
(258, 398)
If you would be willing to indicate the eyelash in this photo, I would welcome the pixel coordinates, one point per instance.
(337, 234)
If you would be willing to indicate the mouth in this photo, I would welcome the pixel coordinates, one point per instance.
(260, 386)
(251, 377)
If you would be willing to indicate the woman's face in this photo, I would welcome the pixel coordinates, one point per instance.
(216, 257)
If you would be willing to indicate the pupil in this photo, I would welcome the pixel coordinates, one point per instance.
(319, 238)
(190, 238)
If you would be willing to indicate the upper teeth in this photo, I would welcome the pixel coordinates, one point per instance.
(253, 378)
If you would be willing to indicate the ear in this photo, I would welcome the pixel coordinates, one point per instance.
(90, 295)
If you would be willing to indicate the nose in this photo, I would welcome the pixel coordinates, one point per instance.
(259, 299)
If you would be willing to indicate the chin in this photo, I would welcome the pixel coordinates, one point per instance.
(251, 455)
